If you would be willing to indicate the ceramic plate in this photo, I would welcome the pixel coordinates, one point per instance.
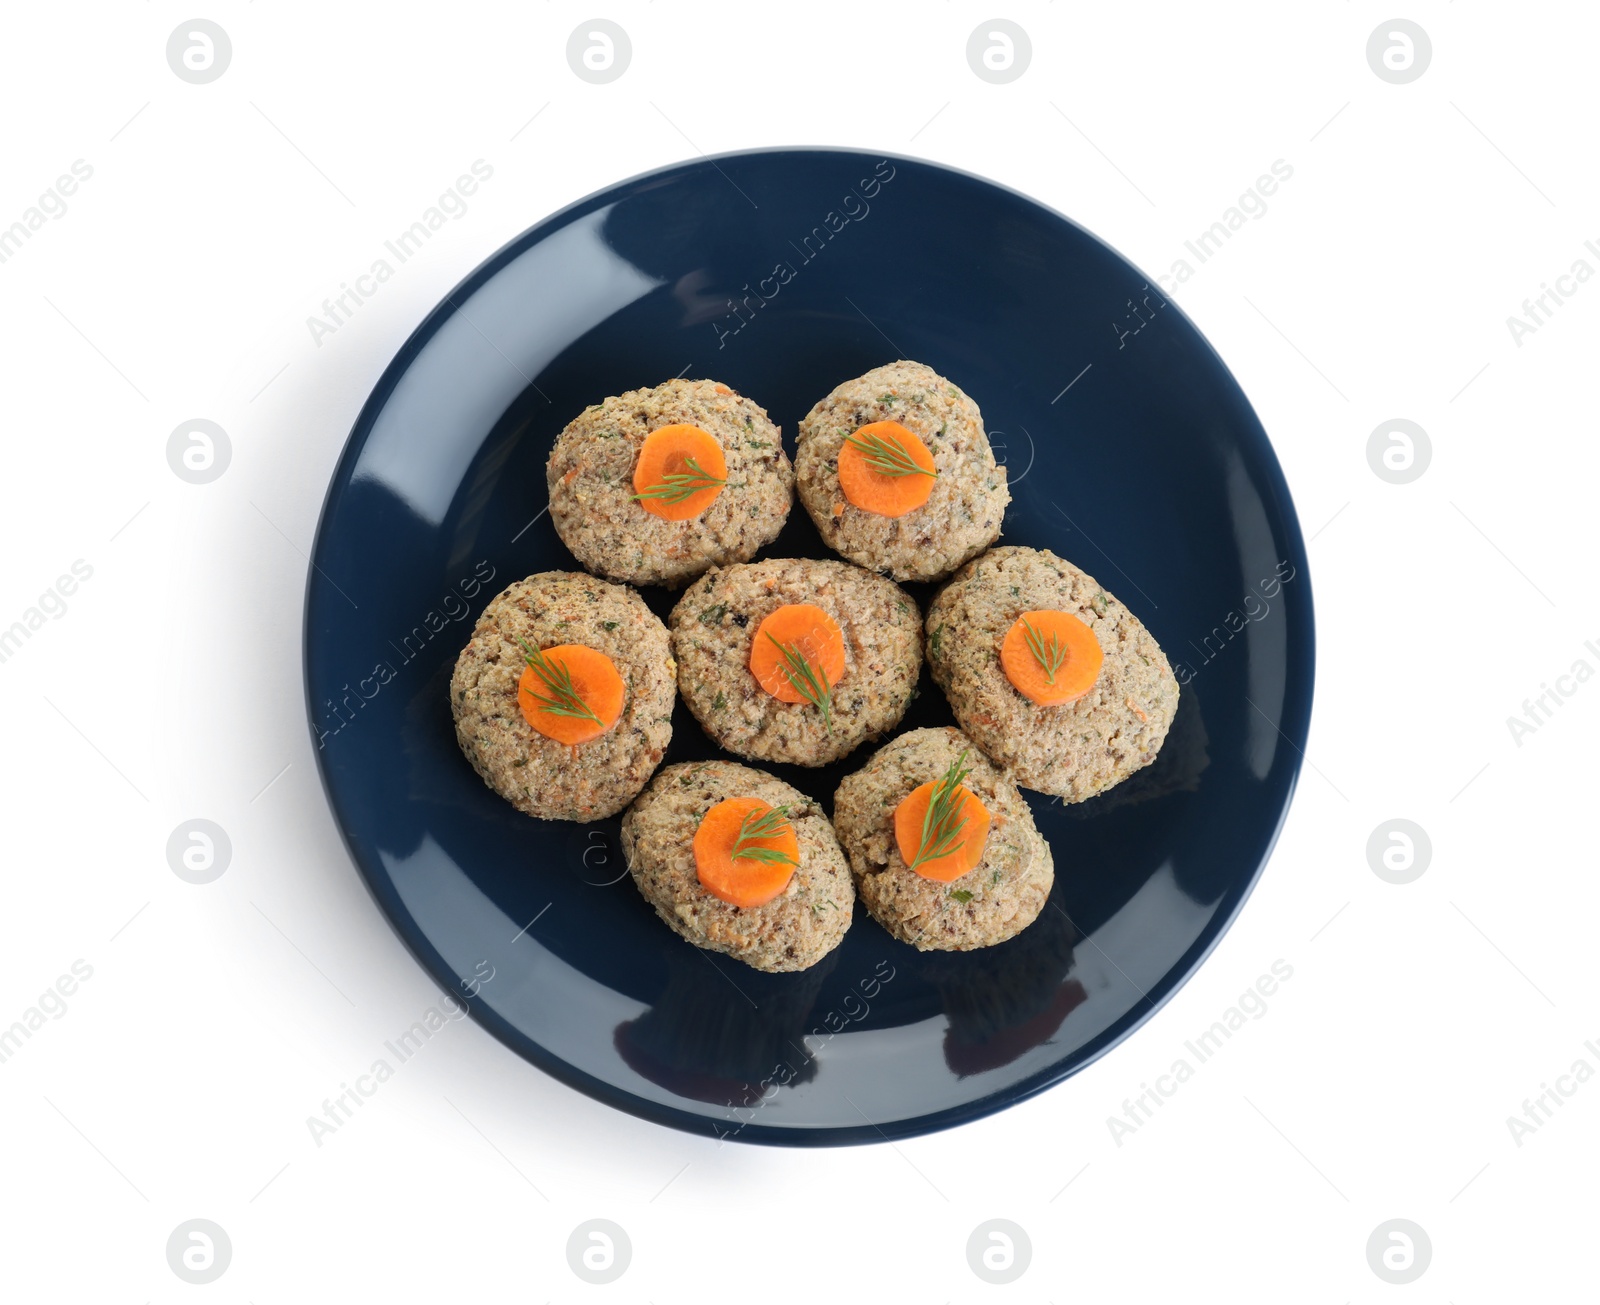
(1131, 452)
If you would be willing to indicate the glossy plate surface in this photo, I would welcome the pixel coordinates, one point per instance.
(1132, 452)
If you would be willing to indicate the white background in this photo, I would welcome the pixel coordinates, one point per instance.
(1377, 285)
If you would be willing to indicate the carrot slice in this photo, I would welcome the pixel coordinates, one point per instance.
(570, 693)
(941, 827)
(1051, 657)
(886, 469)
(797, 655)
(745, 852)
(680, 470)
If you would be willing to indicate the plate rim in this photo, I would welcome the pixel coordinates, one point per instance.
(1296, 712)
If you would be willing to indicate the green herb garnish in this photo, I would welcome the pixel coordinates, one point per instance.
(808, 680)
(564, 699)
(1048, 655)
(753, 828)
(676, 486)
(943, 822)
(888, 457)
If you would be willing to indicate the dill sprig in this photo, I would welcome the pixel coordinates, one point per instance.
(675, 486)
(564, 699)
(1048, 655)
(753, 828)
(808, 680)
(940, 823)
(888, 457)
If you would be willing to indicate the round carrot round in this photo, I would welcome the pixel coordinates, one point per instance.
(681, 469)
(570, 693)
(794, 633)
(886, 469)
(745, 852)
(1051, 657)
(914, 832)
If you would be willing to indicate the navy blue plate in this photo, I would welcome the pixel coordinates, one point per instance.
(1132, 452)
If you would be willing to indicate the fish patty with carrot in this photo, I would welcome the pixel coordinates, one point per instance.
(654, 486)
(735, 860)
(943, 847)
(563, 696)
(897, 472)
(1057, 681)
(796, 659)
